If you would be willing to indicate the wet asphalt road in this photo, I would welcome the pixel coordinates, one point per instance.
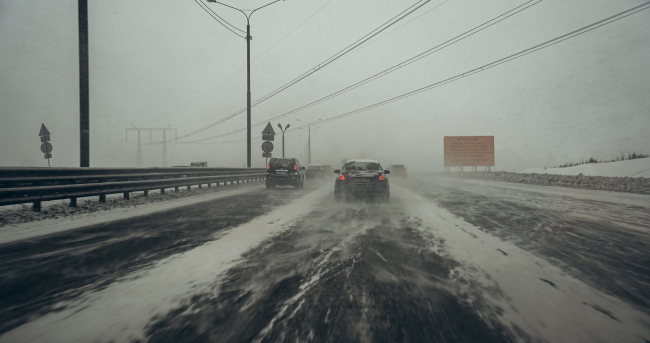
(340, 272)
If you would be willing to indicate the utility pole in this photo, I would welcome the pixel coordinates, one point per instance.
(164, 141)
(309, 135)
(248, 74)
(84, 92)
(285, 129)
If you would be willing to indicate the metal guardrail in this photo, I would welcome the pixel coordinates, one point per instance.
(24, 185)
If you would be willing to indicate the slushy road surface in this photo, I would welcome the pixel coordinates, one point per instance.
(444, 261)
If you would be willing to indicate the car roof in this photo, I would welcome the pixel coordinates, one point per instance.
(362, 160)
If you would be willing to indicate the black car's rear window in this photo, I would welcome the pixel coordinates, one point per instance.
(362, 166)
(282, 163)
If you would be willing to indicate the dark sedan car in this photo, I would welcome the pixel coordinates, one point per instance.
(315, 171)
(362, 178)
(284, 172)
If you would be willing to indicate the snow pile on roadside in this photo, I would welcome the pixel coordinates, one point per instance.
(23, 213)
(630, 168)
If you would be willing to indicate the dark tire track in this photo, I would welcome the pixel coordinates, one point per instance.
(39, 273)
(348, 276)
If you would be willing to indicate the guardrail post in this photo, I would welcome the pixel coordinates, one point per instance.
(102, 198)
(127, 195)
(217, 184)
(73, 202)
(146, 193)
(36, 206)
(199, 186)
(176, 189)
(189, 188)
(162, 191)
(209, 185)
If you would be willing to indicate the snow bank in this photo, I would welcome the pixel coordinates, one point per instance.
(630, 168)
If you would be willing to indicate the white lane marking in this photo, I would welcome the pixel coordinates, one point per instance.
(121, 311)
(557, 314)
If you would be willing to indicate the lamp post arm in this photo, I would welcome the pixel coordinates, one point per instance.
(234, 8)
(269, 4)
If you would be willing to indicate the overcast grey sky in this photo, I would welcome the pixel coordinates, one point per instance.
(155, 63)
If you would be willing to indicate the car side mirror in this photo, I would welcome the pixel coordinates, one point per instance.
(386, 171)
(337, 171)
(303, 168)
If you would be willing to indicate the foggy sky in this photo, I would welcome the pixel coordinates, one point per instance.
(155, 63)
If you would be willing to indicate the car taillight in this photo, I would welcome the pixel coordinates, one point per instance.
(404, 169)
(307, 168)
(382, 178)
(341, 177)
(391, 170)
(321, 169)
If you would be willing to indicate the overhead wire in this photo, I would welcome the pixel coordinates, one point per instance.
(238, 71)
(493, 64)
(321, 65)
(198, 2)
(400, 65)
(229, 24)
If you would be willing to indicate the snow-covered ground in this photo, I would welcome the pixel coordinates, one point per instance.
(631, 168)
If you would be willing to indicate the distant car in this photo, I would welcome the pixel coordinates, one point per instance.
(398, 170)
(362, 178)
(327, 168)
(315, 171)
(284, 172)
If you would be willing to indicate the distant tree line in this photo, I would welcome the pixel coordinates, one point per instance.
(623, 156)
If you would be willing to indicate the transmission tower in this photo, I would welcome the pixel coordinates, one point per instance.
(164, 141)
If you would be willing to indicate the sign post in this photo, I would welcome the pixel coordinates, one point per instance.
(469, 151)
(46, 147)
(267, 135)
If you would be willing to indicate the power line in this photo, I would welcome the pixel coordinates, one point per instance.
(399, 27)
(493, 64)
(238, 71)
(231, 25)
(323, 64)
(402, 64)
(215, 18)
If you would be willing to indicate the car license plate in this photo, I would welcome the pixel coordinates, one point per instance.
(361, 180)
(281, 172)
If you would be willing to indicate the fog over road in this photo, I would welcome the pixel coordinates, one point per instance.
(445, 261)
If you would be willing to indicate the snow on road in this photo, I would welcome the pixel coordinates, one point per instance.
(536, 296)
(631, 168)
(316, 269)
(12, 233)
(121, 312)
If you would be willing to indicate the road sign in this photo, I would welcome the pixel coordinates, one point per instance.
(44, 131)
(267, 146)
(268, 133)
(266, 154)
(469, 151)
(46, 147)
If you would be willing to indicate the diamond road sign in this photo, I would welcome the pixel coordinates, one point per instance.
(268, 133)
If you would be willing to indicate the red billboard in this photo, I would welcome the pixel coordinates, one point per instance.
(463, 151)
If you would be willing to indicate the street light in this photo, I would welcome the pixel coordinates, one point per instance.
(248, 73)
(285, 129)
(309, 140)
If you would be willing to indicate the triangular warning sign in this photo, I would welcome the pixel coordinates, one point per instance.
(44, 131)
(268, 130)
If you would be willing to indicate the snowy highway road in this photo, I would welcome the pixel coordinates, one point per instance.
(444, 261)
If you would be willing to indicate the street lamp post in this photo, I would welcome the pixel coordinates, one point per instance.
(309, 139)
(285, 129)
(248, 73)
